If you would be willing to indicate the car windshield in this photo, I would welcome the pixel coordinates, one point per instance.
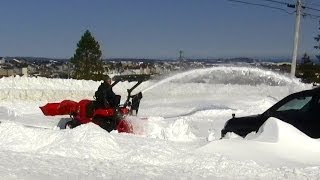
(296, 104)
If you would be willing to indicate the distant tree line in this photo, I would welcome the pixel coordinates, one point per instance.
(308, 73)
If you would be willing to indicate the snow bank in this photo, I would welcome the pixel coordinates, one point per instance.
(18, 82)
(45, 89)
(86, 141)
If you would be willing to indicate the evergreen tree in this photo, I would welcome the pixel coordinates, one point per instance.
(317, 38)
(87, 59)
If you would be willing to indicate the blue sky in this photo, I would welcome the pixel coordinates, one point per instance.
(150, 28)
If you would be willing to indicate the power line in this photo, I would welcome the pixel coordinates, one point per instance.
(314, 4)
(298, 6)
(311, 6)
(262, 5)
(279, 2)
(314, 9)
(312, 16)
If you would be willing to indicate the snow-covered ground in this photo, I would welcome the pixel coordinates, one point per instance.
(177, 130)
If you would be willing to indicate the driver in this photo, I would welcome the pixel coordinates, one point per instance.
(105, 97)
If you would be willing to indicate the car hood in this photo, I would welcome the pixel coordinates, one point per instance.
(253, 120)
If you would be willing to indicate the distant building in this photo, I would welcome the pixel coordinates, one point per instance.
(13, 71)
(21, 71)
(7, 72)
(306, 59)
(2, 60)
(147, 70)
(127, 72)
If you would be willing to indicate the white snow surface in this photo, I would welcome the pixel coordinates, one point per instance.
(177, 130)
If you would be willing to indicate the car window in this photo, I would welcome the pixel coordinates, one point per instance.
(296, 104)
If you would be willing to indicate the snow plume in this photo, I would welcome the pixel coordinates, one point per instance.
(236, 75)
(206, 86)
(230, 75)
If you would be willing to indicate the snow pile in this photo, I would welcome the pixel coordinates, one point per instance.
(159, 128)
(178, 131)
(274, 130)
(77, 142)
(276, 142)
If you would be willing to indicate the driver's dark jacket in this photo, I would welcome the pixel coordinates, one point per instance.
(105, 95)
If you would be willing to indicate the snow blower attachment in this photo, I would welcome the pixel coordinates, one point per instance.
(108, 118)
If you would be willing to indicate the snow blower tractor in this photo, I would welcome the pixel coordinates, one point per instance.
(108, 118)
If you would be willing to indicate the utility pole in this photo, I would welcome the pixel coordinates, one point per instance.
(296, 38)
(299, 8)
(181, 58)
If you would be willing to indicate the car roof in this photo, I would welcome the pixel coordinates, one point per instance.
(315, 89)
(310, 92)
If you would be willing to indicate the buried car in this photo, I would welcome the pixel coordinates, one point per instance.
(301, 109)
